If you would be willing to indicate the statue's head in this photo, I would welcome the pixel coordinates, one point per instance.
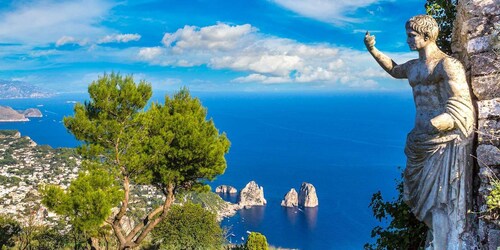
(421, 30)
(425, 25)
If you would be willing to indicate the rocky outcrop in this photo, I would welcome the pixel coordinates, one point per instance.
(8, 114)
(225, 189)
(291, 199)
(32, 112)
(252, 195)
(307, 195)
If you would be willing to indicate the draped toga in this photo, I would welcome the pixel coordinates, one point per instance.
(438, 168)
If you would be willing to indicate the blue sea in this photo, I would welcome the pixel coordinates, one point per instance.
(347, 145)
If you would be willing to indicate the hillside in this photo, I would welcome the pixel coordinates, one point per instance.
(19, 90)
(25, 166)
(8, 114)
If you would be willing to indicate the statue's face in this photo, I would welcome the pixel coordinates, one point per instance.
(415, 40)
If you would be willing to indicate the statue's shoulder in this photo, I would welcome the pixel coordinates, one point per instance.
(450, 63)
(410, 64)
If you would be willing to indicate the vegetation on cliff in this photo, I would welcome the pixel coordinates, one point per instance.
(171, 147)
(404, 231)
(189, 226)
(444, 11)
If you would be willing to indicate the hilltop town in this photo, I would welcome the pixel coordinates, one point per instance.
(26, 166)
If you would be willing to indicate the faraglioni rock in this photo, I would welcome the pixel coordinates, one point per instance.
(252, 195)
(307, 195)
(291, 199)
(226, 189)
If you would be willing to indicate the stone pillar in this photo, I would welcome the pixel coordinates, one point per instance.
(476, 43)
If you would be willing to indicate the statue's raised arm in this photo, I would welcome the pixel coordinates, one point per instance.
(395, 70)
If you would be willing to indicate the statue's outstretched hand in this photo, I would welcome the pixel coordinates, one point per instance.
(369, 41)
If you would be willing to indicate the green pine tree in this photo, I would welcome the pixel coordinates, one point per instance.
(172, 146)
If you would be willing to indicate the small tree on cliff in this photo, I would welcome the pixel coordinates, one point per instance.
(189, 226)
(87, 202)
(256, 241)
(170, 146)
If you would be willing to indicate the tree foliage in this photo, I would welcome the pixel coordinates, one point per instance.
(9, 230)
(189, 226)
(444, 11)
(404, 231)
(88, 201)
(256, 241)
(172, 146)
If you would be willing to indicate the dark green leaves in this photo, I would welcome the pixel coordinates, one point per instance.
(404, 230)
(87, 202)
(444, 11)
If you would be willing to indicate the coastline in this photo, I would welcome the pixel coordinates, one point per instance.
(16, 120)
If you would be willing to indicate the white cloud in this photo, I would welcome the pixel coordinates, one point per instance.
(119, 38)
(65, 40)
(266, 59)
(330, 11)
(262, 79)
(216, 37)
(44, 22)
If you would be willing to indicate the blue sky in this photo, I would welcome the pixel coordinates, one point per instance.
(207, 45)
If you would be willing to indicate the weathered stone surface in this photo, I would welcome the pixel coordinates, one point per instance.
(291, 199)
(485, 64)
(252, 195)
(488, 155)
(480, 26)
(489, 109)
(307, 195)
(486, 87)
(478, 44)
(482, 7)
(225, 189)
(32, 112)
(493, 239)
(489, 132)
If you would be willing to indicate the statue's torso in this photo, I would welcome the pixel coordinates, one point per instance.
(430, 91)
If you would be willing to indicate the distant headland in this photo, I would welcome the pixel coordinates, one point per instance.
(21, 90)
(8, 114)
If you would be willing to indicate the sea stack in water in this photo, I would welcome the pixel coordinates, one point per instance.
(307, 195)
(225, 189)
(291, 199)
(252, 195)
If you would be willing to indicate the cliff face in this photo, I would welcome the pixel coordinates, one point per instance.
(476, 42)
(307, 195)
(225, 189)
(291, 199)
(252, 195)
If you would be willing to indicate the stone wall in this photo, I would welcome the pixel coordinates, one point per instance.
(476, 43)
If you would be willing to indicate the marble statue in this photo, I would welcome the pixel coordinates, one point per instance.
(437, 178)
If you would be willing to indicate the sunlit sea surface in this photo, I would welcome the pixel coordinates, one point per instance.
(347, 145)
